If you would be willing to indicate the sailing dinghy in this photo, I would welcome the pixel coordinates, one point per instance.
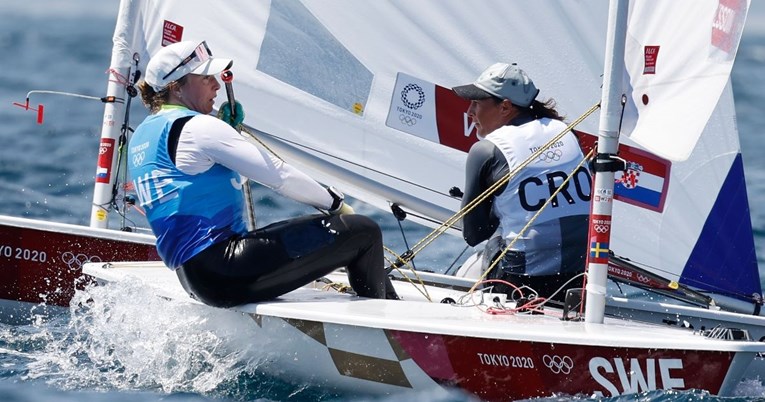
(685, 224)
(365, 346)
(346, 90)
(43, 261)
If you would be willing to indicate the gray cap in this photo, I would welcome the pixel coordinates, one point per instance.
(505, 81)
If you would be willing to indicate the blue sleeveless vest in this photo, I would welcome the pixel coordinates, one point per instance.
(187, 213)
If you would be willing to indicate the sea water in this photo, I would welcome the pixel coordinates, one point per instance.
(114, 350)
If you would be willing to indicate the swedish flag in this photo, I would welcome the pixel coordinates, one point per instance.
(598, 250)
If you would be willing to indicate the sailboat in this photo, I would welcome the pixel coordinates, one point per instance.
(43, 259)
(352, 93)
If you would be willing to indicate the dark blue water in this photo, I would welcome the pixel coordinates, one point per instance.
(46, 171)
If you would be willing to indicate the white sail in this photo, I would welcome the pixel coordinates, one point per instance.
(678, 60)
(685, 212)
(340, 88)
(701, 234)
(318, 77)
(357, 94)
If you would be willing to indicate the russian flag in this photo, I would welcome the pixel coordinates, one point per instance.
(102, 172)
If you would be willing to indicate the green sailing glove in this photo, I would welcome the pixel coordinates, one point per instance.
(224, 113)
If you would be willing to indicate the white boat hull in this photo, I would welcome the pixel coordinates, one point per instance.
(41, 262)
(25, 296)
(371, 346)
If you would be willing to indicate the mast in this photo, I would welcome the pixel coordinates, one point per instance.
(114, 109)
(606, 163)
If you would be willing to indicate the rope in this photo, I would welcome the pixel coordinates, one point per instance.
(258, 140)
(433, 235)
(532, 219)
(424, 290)
(428, 239)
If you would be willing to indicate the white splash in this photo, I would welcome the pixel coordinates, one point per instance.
(124, 337)
(750, 387)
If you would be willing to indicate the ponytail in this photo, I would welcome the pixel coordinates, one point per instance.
(153, 99)
(540, 110)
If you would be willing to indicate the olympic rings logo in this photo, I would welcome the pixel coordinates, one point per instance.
(75, 262)
(405, 96)
(558, 364)
(138, 158)
(643, 278)
(102, 150)
(408, 120)
(600, 228)
(551, 155)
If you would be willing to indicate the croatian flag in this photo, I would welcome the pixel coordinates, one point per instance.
(644, 181)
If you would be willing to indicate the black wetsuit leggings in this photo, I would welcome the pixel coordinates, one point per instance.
(284, 256)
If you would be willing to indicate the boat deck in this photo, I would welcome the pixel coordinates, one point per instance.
(415, 314)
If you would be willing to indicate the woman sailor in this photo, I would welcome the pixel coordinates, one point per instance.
(188, 168)
(514, 125)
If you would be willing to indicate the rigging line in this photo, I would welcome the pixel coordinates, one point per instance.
(341, 159)
(104, 99)
(427, 240)
(649, 267)
(431, 220)
(449, 269)
(126, 228)
(532, 219)
(248, 195)
(424, 290)
(406, 243)
(121, 169)
(120, 79)
(489, 191)
(264, 145)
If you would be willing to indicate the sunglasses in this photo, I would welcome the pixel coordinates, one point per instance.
(201, 53)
